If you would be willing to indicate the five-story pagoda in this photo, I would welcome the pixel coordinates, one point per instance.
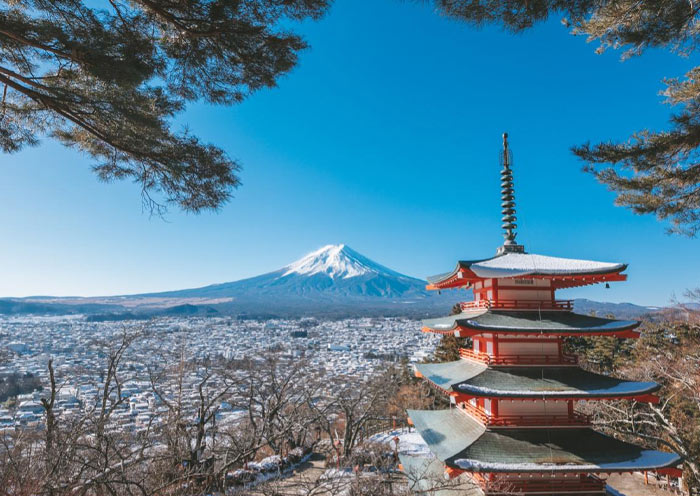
(513, 425)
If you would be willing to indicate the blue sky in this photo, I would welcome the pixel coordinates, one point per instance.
(385, 138)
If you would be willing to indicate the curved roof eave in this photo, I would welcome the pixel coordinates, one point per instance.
(650, 460)
(473, 378)
(445, 374)
(463, 443)
(517, 322)
(525, 265)
(629, 389)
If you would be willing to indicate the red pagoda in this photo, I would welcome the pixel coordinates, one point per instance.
(513, 426)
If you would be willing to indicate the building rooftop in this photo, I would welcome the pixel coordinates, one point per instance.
(565, 272)
(529, 321)
(475, 379)
(462, 443)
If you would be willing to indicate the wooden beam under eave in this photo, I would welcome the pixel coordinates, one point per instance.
(453, 472)
(647, 398)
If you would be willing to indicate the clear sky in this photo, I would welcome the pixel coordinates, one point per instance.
(385, 138)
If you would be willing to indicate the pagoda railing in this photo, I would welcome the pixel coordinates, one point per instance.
(510, 359)
(508, 485)
(476, 412)
(518, 304)
(475, 355)
(576, 419)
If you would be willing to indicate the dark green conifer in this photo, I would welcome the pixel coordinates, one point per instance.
(107, 77)
(448, 348)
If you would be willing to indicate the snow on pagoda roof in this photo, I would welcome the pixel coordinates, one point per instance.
(522, 264)
(538, 382)
(461, 442)
(557, 450)
(526, 321)
(528, 264)
(475, 379)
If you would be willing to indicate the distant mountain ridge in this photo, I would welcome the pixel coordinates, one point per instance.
(333, 281)
(619, 310)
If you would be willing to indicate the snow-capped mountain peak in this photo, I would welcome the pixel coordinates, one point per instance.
(334, 275)
(337, 262)
(335, 280)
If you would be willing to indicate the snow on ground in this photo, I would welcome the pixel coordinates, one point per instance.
(266, 464)
(267, 469)
(410, 443)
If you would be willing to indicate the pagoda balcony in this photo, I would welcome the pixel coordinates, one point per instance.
(500, 304)
(575, 419)
(502, 359)
(583, 485)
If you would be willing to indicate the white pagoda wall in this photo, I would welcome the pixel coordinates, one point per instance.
(538, 407)
(534, 348)
(518, 294)
(484, 347)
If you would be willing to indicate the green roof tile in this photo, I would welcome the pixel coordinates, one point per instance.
(529, 321)
(446, 432)
(538, 382)
(475, 379)
(569, 450)
(461, 442)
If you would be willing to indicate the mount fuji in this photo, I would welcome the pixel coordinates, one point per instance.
(334, 280)
(333, 274)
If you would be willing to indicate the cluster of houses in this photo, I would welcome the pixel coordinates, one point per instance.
(77, 348)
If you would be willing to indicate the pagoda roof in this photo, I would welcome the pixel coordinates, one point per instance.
(475, 379)
(462, 443)
(528, 321)
(570, 272)
(446, 432)
(427, 475)
(446, 374)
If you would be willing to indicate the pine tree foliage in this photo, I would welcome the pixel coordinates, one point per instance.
(654, 172)
(108, 77)
(606, 354)
(667, 353)
(447, 349)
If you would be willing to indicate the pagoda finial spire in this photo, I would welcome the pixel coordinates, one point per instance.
(508, 202)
